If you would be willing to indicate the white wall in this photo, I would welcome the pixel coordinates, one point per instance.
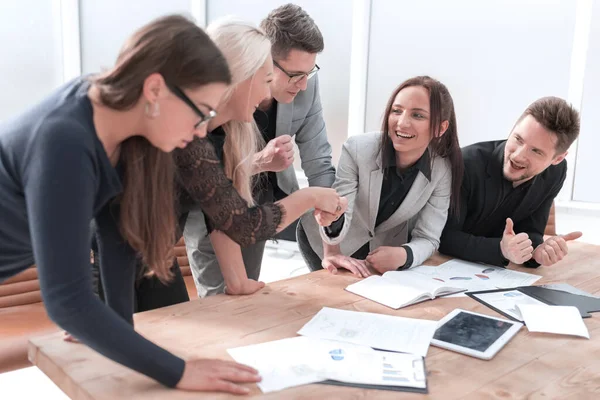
(106, 24)
(586, 181)
(31, 65)
(495, 56)
(334, 18)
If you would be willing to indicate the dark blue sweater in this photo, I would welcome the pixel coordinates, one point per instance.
(55, 177)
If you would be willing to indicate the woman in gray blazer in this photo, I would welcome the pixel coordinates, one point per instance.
(399, 186)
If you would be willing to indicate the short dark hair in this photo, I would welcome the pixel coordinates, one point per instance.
(290, 27)
(558, 116)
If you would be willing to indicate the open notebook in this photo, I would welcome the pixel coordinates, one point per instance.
(397, 289)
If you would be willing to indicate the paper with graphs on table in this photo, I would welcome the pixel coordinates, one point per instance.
(384, 332)
(281, 364)
(475, 277)
(302, 360)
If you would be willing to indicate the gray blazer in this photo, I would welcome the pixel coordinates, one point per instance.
(421, 216)
(303, 120)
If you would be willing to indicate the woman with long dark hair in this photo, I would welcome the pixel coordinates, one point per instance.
(101, 141)
(400, 184)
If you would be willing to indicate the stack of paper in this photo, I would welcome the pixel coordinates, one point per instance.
(337, 345)
(506, 302)
(384, 332)
(563, 320)
(301, 360)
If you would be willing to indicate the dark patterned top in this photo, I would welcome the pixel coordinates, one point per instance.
(202, 182)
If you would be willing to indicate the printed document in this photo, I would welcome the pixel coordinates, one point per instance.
(475, 277)
(563, 320)
(383, 332)
(302, 360)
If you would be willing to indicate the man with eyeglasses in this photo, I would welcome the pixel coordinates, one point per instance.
(293, 113)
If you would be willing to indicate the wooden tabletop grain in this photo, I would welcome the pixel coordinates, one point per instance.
(532, 365)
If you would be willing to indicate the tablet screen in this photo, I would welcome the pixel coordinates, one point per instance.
(471, 331)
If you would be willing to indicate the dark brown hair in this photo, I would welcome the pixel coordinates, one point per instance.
(183, 54)
(557, 116)
(290, 27)
(441, 108)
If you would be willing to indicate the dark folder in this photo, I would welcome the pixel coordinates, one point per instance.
(554, 297)
(584, 304)
(384, 387)
(377, 387)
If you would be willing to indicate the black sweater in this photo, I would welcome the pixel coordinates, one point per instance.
(487, 199)
(55, 177)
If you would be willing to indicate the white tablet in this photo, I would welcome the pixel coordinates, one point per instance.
(474, 334)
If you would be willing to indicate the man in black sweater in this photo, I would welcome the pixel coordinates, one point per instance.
(508, 188)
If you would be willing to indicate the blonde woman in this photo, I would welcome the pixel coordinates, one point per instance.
(225, 200)
(248, 53)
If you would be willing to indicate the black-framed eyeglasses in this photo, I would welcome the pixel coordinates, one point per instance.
(295, 78)
(204, 118)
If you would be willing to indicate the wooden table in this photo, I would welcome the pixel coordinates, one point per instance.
(532, 365)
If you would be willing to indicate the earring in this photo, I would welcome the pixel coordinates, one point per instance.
(155, 112)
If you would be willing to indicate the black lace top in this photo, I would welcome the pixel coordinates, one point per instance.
(203, 182)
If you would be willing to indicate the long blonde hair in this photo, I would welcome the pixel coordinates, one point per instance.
(246, 49)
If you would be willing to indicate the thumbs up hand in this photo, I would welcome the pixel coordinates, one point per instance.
(572, 236)
(509, 228)
(517, 248)
(554, 249)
